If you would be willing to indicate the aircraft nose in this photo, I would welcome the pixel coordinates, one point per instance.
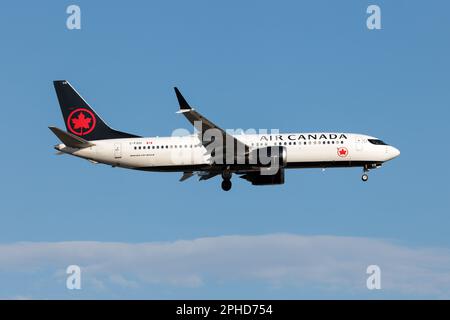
(394, 152)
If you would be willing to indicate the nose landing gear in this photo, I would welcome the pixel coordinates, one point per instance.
(365, 176)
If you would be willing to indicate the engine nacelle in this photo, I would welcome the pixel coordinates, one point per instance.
(258, 179)
(274, 157)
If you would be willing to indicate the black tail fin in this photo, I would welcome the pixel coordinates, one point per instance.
(80, 119)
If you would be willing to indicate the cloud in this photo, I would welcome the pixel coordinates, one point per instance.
(329, 263)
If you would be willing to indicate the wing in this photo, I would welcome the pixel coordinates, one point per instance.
(203, 125)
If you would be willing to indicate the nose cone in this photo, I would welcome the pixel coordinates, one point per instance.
(393, 152)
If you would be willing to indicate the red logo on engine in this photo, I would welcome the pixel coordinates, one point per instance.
(81, 121)
(342, 152)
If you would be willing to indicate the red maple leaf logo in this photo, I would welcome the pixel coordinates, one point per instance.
(81, 122)
(342, 152)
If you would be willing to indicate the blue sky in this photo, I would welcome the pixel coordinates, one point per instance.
(291, 65)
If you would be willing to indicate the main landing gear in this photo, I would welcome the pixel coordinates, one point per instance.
(226, 183)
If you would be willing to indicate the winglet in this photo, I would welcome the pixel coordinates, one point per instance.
(184, 106)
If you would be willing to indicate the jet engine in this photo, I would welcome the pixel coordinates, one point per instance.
(273, 156)
(259, 179)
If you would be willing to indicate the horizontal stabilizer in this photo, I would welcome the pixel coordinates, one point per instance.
(69, 139)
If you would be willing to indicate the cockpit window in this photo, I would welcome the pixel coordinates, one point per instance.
(377, 142)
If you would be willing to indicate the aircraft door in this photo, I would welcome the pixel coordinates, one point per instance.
(117, 151)
(359, 143)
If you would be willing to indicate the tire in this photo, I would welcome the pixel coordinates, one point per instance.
(226, 185)
(365, 177)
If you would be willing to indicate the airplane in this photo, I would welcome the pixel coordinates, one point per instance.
(260, 158)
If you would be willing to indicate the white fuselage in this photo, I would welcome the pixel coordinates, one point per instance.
(179, 153)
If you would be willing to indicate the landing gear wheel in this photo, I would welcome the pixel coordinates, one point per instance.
(226, 185)
(365, 177)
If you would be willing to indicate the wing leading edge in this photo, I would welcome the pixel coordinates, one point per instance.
(195, 118)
